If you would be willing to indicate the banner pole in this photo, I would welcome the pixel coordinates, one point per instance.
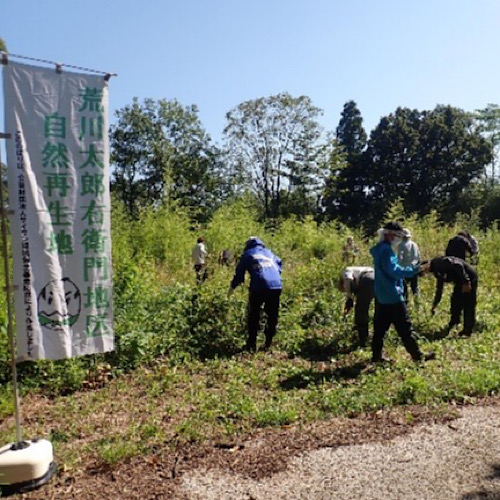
(8, 291)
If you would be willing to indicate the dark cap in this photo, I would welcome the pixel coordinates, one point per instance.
(393, 226)
(253, 241)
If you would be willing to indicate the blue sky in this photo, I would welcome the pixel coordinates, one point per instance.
(219, 53)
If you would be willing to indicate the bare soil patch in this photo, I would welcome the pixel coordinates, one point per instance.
(261, 454)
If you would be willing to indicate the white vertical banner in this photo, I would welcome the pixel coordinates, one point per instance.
(58, 180)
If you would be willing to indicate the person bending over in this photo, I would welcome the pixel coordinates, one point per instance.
(264, 268)
(357, 284)
(464, 298)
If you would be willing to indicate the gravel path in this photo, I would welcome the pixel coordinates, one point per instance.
(454, 460)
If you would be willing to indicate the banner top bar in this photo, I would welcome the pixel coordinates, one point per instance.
(58, 66)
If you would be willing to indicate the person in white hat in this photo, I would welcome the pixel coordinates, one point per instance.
(409, 255)
(390, 307)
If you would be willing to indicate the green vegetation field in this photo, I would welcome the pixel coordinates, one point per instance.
(178, 375)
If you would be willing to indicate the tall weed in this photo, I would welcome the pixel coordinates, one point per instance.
(161, 311)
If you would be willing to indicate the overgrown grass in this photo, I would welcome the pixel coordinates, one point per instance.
(176, 375)
(167, 404)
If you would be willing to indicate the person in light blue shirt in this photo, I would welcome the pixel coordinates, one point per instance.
(390, 307)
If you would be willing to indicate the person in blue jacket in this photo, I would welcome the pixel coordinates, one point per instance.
(390, 306)
(265, 289)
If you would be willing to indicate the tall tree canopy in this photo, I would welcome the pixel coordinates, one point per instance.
(351, 135)
(276, 142)
(344, 193)
(488, 121)
(426, 158)
(160, 151)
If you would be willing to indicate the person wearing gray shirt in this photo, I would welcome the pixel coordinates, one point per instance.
(409, 255)
(357, 283)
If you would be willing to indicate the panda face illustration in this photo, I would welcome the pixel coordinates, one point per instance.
(59, 304)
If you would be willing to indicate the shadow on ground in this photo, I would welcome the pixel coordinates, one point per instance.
(324, 349)
(487, 493)
(307, 378)
(482, 495)
(433, 336)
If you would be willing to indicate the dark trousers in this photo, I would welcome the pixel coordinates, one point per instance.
(271, 301)
(364, 296)
(465, 302)
(410, 283)
(201, 272)
(397, 315)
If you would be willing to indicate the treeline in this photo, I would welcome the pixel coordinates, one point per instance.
(276, 154)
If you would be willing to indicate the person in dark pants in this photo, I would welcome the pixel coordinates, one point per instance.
(225, 257)
(199, 256)
(409, 255)
(265, 289)
(357, 283)
(464, 297)
(390, 307)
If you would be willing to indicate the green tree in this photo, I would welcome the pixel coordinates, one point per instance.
(276, 143)
(391, 159)
(488, 122)
(3, 46)
(351, 135)
(345, 194)
(484, 200)
(427, 158)
(160, 152)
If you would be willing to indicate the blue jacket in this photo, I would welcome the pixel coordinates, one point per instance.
(389, 274)
(263, 266)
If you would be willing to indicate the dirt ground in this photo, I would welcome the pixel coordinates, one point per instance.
(161, 474)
